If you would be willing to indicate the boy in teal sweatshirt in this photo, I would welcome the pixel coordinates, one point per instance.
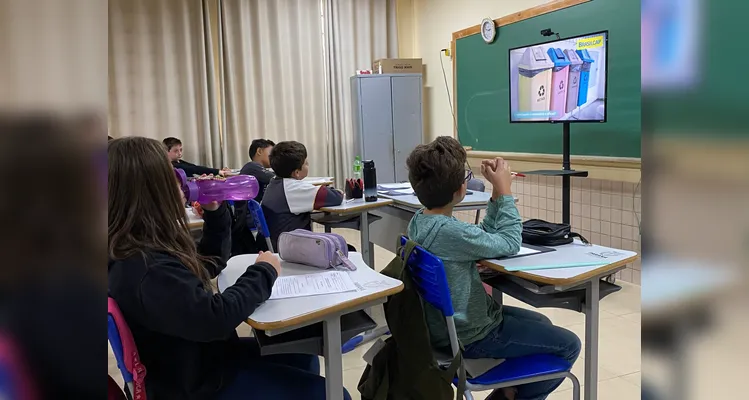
(439, 175)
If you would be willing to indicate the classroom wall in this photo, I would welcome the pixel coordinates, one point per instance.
(426, 28)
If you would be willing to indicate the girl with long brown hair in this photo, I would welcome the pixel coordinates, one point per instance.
(185, 332)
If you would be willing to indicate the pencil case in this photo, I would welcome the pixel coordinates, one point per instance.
(321, 250)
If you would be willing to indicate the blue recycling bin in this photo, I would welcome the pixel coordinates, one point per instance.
(585, 57)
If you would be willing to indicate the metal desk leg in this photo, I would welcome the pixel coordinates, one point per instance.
(366, 254)
(590, 389)
(478, 216)
(333, 360)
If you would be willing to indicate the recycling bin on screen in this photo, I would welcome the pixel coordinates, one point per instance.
(534, 83)
(582, 98)
(559, 77)
(573, 82)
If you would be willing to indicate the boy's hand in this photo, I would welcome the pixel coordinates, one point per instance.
(498, 173)
(270, 258)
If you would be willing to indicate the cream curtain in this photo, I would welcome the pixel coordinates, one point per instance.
(161, 75)
(357, 32)
(273, 77)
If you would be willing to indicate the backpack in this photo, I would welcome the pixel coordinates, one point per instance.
(542, 233)
(406, 368)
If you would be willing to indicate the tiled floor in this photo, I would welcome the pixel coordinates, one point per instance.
(619, 341)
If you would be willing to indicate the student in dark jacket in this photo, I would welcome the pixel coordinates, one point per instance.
(174, 152)
(259, 163)
(185, 332)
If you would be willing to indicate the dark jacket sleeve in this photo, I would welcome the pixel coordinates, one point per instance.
(176, 303)
(216, 240)
(262, 175)
(192, 169)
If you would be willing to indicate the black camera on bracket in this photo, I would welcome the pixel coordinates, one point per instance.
(547, 32)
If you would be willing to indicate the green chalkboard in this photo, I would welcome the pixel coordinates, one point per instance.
(482, 84)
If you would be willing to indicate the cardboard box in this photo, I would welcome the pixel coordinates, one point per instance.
(397, 66)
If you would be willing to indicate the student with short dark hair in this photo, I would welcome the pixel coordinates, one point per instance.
(260, 150)
(437, 171)
(174, 152)
(288, 201)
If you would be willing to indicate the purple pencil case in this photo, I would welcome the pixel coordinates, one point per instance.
(321, 250)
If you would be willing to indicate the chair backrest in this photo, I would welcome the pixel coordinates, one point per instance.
(125, 351)
(14, 379)
(428, 274)
(258, 219)
(477, 185)
(119, 354)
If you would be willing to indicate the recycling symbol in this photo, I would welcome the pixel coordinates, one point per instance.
(574, 80)
(541, 91)
(561, 85)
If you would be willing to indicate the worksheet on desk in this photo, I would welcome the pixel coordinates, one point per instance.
(312, 285)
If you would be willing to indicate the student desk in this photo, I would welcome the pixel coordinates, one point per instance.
(681, 295)
(361, 207)
(319, 180)
(578, 288)
(194, 222)
(284, 315)
(395, 218)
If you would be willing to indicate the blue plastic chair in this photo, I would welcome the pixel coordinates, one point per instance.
(430, 281)
(114, 340)
(258, 219)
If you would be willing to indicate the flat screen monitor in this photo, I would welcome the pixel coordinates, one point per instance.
(560, 81)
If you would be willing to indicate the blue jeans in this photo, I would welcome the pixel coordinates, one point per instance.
(522, 333)
(277, 377)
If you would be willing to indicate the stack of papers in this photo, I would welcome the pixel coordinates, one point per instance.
(395, 189)
(394, 186)
(287, 287)
(398, 192)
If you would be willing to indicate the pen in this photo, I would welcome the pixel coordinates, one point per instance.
(518, 175)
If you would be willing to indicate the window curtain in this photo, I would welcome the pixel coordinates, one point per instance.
(273, 77)
(357, 32)
(160, 75)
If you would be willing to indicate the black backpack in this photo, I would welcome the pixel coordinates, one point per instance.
(542, 233)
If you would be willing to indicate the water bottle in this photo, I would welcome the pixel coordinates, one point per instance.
(357, 167)
(239, 187)
(370, 181)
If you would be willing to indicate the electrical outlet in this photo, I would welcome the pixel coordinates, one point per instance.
(447, 52)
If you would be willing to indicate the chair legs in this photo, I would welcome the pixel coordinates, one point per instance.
(575, 386)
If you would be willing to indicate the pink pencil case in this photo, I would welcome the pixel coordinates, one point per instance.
(321, 250)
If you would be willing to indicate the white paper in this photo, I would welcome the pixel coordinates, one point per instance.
(524, 251)
(394, 186)
(312, 285)
(398, 192)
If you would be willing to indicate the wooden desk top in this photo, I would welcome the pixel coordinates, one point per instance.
(319, 181)
(571, 253)
(285, 313)
(356, 206)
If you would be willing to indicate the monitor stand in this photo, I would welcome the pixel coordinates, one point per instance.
(566, 173)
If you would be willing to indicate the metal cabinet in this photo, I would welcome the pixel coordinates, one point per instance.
(387, 119)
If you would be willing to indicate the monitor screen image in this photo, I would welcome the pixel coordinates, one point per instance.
(560, 81)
